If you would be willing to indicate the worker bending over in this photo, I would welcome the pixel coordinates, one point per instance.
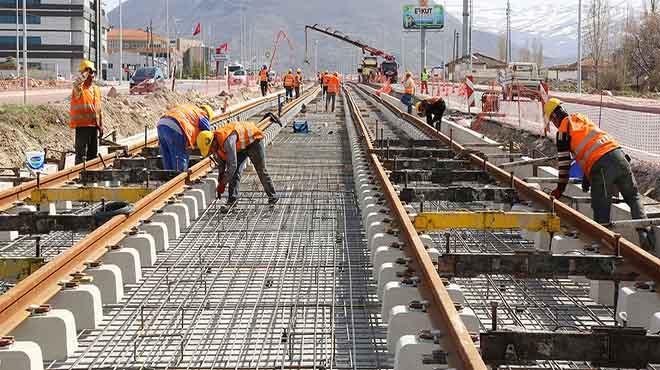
(408, 92)
(263, 80)
(85, 111)
(297, 82)
(178, 130)
(230, 146)
(333, 84)
(433, 108)
(289, 82)
(606, 167)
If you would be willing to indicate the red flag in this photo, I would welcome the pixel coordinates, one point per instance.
(198, 29)
(223, 46)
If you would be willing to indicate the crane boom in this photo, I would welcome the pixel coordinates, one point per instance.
(339, 35)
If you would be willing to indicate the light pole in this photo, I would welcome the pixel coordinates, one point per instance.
(121, 46)
(579, 42)
(167, 31)
(25, 56)
(316, 56)
(18, 56)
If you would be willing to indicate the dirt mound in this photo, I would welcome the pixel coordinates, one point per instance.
(38, 127)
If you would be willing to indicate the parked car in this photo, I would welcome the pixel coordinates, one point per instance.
(146, 74)
(238, 77)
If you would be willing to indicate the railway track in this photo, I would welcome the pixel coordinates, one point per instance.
(367, 262)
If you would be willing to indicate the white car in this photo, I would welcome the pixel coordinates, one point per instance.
(238, 77)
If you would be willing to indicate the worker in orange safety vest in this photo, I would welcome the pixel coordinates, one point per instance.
(333, 83)
(85, 111)
(604, 164)
(178, 130)
(297, 83)
(408, 92)
(289, 82)
(263, 80)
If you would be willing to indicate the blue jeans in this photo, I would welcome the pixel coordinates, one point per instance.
(257, 154)
(172, 149)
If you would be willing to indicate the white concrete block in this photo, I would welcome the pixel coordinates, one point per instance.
(20, 207)
(372, 208)
(398, 293)
(209, 196)
(145, 245)
(49, 208)
(53, 331)
(541, 240)
(212, 185)
(84, 301)
(181, 211)
(21, 356)
(386, 254)
(391, 271)
(410, 352)
(108, 278)
(470, 319)
(192, 204)
(158, 230)
(382, 239)
(455, 293)
(636, 306)
(8, 236)
(171, 221)
(200, 196)
(128, 260)
(407, 319)
(563, 244)
(378, 227)
(376, 217)
(64, 205)
(654, 324)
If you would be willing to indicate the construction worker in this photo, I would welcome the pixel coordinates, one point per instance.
(408, 92)
(85, 111)
(424, 78)
(433, 108)
(603, 163)
(230, 146)
(324, 83)
(178, 130)
(289, 82)
(263, 80)
(297, 83)
(333, 84)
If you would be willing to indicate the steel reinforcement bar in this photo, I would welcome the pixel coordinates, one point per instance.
(646, 263)
(43, 283)
(20, 192)
(442, 311)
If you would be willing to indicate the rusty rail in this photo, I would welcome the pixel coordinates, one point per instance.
(22, 191)
(43, 283)
(442, 310)
(643, 261)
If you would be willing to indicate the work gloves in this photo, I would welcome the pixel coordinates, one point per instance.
(220, 189)
(586, 185)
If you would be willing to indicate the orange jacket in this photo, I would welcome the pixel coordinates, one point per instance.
(289, 80)
(333, 84)
(409, 86)
(187, 116)
(297, 80)
(247, 133)
(263, 75)
(588, 142)
(325, 79)
(85, 109)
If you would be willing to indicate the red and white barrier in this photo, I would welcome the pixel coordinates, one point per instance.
(469, 85)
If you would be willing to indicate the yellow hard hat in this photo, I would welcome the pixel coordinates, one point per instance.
(550, 107)
(209, 111)
(420, 107)
(290, 70)
(298, 70)
(87, 64)
(204, 141)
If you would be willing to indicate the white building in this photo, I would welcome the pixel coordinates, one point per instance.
(60, 33)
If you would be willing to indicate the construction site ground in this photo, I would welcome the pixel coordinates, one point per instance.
(46, 126)
(647, 173)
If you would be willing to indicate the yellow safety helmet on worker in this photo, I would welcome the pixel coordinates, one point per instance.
(550, 107)
(421, 108)
(204, 141)
(85, 65)
(209, 111)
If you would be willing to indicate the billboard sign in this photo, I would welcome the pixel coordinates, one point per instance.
(423, 17)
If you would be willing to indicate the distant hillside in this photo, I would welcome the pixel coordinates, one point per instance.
(374, 21)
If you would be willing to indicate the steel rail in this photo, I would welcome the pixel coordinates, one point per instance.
(22, 191)
(643, 261)
(463, 353)
(42, 285)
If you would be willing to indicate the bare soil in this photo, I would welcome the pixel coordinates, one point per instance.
(646, 173)
(39, 127)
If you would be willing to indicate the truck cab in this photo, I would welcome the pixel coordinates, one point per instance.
(520, 79)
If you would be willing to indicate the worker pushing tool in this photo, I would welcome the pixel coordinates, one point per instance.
(433, 108)
(289, 82)
(85, 111)
(263, 80)
(178, 130)
(605, 166)
(333, 84)
(231, 145)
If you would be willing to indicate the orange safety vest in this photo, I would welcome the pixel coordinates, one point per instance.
(409, 86)
(297, 80)
(247, 133)
(187, 116)
(333, 84)
(263, 75)
(588, 142)
(86, 109)
(289, 80)
(326, 77)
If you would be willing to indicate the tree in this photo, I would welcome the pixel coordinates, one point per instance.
(643, 42)
(597, 33)
(501, 46)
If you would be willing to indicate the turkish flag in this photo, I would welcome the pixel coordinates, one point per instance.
(198, 29)
(223, 47)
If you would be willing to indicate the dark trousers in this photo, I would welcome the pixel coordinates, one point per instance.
(257, 154)
(87, 143)
(289, 93)
(331, 97)
(264, 87)
(297, 89)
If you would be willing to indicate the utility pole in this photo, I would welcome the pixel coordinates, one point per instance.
(422, 45)
(316, 56)
(18, 56)
(470, 35)
(167, 31)
(508, 32)
(25, 53)
(579, 42)
(466, 19)
(121, 46)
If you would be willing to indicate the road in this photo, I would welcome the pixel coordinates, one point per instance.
(47, 96)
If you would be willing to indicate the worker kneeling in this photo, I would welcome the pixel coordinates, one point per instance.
(433, 108)
(230, 146)
(605, 166)
(178, 130)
